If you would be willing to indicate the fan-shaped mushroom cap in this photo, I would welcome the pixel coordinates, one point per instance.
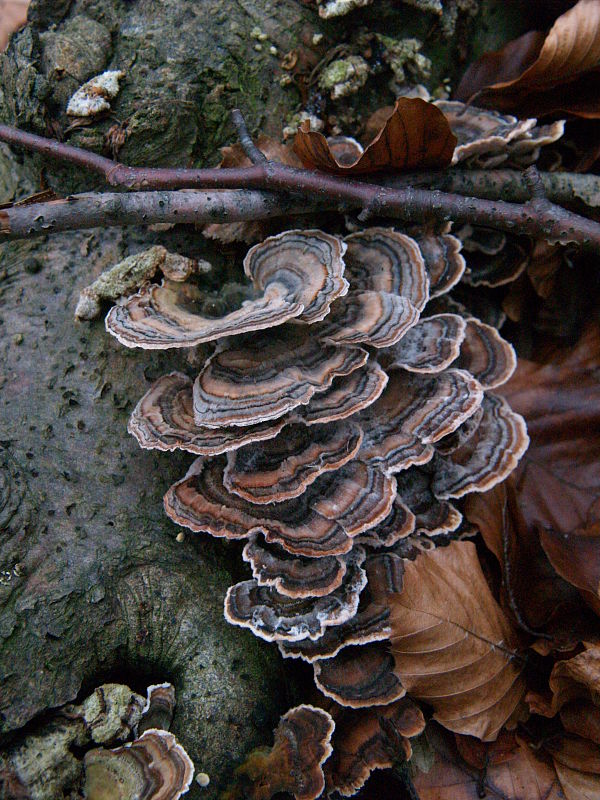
(501, 267)
(168, 315)
(159, 708)
(429, 346)
(359, 676)
(283, 467)
(414, 411)
(399, 523)
(432, 516)
(476, 238)
(361, 743)
(293, 576)
(297, 273)
(164, 419)
(295, 762)
(263, 378)
(370, 623)
(345, 149)
(444, 262)
(487, 457)
(154, 767)
(336, 507)
(486, 355)
(347, 395)
(277, 617)
(378, 319)
(308, 264)
(482, 132)
(383, 260)
(526, 150)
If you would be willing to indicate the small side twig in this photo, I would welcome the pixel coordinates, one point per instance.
(535, 184)
(251, 150)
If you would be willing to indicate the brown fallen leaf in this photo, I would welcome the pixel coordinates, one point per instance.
(576, 557)
(521, 776)
(234, 155)
(13, 15)
(574, 752)
(453, 646)
(480, 754)
(543, 74)
(583, 718)
(548, 511)
(558, 480)
(415, 136)
(533, 592)
(577, 785)
(575, 678)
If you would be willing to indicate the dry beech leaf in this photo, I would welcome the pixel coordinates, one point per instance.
(548, 511)
(578, 785)
(558, 479)
(544, 74)
(521, 776)
(480, 754)
(13, 15)
(415, 136)
(575, 678)
(543, 599)
(576, 557)
(452, 644)
(234, 155)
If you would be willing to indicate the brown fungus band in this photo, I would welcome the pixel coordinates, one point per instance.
(333, 443)
(297, 274)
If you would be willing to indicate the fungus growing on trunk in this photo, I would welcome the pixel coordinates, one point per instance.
(337, 462)
(153, 767)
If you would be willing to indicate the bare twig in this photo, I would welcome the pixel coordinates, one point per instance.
(251, 150)
(540, 220)
(112, 209)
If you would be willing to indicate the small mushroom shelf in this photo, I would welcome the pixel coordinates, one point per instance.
(343, 410)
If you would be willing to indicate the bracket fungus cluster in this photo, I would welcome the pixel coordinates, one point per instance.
(335, 424)
(114, 745)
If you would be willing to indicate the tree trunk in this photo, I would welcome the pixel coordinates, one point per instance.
(93, 584)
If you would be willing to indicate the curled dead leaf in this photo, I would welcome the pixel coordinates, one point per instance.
(549, 510)
(542, 74)
(520, 775)
(453, 646)
(415, 136)
(575, 556)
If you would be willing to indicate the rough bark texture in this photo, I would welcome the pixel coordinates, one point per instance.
(93, 585)
(102, 589)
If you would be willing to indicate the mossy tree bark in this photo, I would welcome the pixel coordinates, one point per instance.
(93, 584)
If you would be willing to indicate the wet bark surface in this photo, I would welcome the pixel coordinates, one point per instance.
(93, 584)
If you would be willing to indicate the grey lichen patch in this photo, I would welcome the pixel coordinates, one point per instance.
(337, 8)
(128, 275)
(43, 763)
(94, 96)
(431, 6)
(294, 122)
(405, 59)
(344, 76)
